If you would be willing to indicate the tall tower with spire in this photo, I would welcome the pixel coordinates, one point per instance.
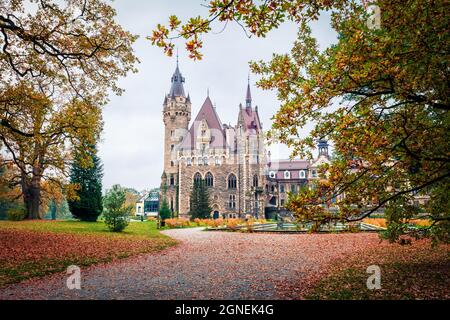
(176, 117)
(248, 98)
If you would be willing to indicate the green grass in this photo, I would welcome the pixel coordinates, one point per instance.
(15, 266)
(135, 229)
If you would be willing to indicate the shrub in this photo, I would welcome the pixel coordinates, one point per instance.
(116, 221)
(116, 212)
(16, 213)
(177, 223)
(232, 224)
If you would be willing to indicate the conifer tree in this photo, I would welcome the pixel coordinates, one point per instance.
(199, 202)
(88, 178)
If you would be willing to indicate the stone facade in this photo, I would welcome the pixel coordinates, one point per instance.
(232, 159)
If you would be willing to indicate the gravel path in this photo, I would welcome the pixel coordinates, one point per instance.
(207, 265)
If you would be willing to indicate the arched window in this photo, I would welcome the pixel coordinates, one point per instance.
(232, 182)
(255, 180)
(209, 180)
(197, 178)
(287, 175)
(302, 174)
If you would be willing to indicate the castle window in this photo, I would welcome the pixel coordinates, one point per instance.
(209, 179)
(205, 161)
(200, 161)
(302, 174)
(217, 161)
(172, 179)
(197, 178)
(172, 147)
(255, 180)
(232, 182)
(189, 161)
(287, 175)
(171, 133)
(171, 163)
(272, 174)
(232, 203)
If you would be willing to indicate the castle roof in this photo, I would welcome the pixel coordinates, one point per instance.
(288, 165)
(250, 119)
(177, 89)
(208, 114)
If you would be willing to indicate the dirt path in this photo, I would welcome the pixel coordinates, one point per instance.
(207, 265)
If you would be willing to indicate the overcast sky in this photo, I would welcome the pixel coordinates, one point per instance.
(132, 141)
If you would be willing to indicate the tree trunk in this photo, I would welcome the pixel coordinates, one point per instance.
(32, 196)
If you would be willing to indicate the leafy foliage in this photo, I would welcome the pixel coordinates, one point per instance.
(116, 213)
(58, 62)
(380, 94)
(16, 213)
(88, 205)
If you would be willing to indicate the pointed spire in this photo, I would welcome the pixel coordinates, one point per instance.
(248, 98)
(177, 89)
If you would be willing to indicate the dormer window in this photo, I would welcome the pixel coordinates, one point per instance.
(287, 175)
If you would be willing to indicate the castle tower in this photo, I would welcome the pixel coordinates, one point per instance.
(251, 158)
(322, 145)
(176, 117)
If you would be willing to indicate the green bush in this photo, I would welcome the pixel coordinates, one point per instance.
(116, 221)
(16, 213)
(116, 213)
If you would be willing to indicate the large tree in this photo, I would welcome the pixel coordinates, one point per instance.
(59, 61)
(87, 205)
(380, 93)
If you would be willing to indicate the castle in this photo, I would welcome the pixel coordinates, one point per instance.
(232, 160)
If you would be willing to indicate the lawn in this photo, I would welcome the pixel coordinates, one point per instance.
(37, 248)
(415, 271)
